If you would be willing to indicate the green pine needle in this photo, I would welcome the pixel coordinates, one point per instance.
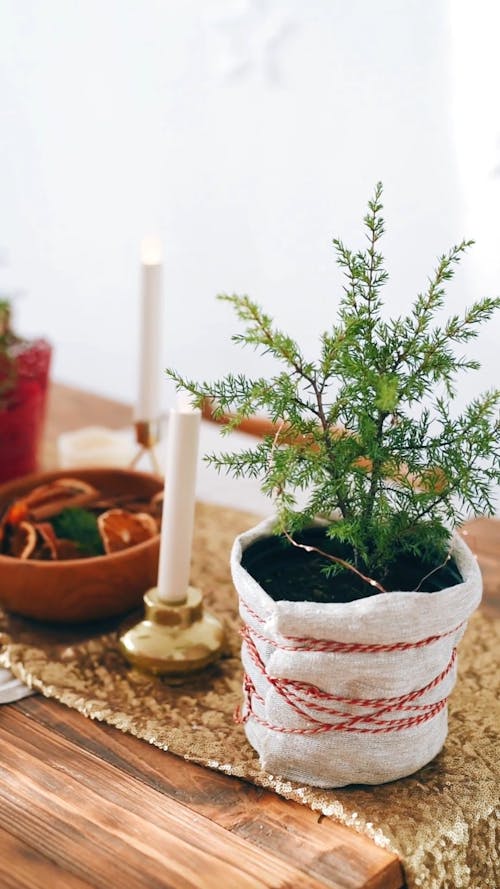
(390, 384)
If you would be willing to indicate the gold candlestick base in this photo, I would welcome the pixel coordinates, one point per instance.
(173, 639)
(147, 436)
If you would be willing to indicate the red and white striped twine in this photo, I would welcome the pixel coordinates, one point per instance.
(305, 643)
(303, 697)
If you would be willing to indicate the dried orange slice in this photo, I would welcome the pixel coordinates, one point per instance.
(52, 491)
(46, 541)
(120, 530)
(22, 540)
(47, 500)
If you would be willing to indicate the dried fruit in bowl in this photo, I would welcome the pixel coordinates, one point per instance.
(46, 548)
(120, 529)
(22, 540)
(69, 519)
(45, 501)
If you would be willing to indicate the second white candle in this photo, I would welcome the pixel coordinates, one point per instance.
(148, 394)
(179, 501)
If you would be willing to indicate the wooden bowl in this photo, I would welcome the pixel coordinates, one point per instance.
(80, 590)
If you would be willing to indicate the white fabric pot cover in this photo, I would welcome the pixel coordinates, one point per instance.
(354, 692)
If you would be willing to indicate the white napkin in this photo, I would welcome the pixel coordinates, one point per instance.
(11, 689)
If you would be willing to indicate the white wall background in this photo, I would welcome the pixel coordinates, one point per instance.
(247, 134)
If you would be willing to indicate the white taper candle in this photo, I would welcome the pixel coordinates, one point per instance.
(148, 394)
(179, 500)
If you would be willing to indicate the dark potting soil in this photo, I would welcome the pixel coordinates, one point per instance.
(292, 574)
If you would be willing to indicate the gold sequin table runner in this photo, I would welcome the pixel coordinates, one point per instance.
(442, 821)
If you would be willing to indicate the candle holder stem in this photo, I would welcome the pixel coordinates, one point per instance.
(174, 639)
(147, 436)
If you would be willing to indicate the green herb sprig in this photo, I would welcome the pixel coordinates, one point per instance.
(80, 526)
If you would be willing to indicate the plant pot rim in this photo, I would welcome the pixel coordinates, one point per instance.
(368, 617)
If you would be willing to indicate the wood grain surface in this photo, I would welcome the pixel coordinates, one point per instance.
(83, 805)
(106, 807)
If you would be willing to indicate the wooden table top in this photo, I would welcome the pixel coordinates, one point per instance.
(83, 805)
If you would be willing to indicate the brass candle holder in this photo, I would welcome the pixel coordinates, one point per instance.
(147, 436)
(174, 639)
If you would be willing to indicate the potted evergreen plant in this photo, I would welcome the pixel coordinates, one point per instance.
(355, 594)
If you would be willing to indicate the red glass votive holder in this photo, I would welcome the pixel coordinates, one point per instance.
(24, 376)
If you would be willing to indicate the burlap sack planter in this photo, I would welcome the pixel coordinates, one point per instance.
(336, 694)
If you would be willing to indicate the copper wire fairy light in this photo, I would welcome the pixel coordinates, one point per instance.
(314, 549)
